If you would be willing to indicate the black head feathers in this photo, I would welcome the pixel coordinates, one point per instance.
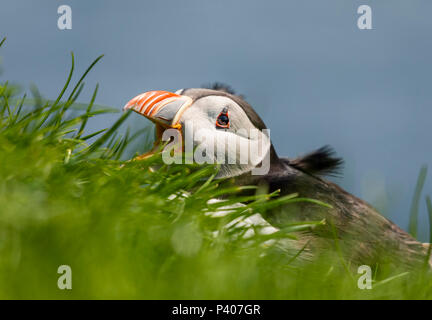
(219, 86)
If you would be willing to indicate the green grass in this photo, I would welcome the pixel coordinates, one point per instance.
(66, 201)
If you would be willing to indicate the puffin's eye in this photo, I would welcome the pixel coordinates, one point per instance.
(222, 120)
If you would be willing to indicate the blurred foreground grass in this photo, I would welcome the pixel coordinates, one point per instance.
(129, 232)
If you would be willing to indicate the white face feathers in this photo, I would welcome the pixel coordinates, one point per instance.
(216, 130)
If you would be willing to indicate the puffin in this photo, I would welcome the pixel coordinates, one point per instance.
(204, 121)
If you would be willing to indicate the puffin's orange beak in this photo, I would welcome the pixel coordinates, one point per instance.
(162, 107)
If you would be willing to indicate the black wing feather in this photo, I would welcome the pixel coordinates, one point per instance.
(320, 162)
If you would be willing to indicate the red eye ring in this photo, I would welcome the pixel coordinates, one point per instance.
(222, 121)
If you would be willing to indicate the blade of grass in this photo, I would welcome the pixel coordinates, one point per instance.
(413, 224)
(67, 82)
(84, 123)
(84, 75)
(99, 142)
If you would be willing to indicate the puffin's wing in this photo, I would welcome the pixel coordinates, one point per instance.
(321, 162)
